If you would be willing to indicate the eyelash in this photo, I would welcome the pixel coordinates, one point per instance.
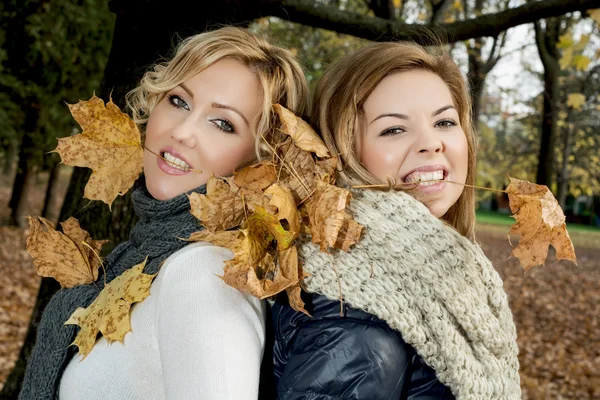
(229, 126)
(174, 99)
(444, 124)
(221, 124)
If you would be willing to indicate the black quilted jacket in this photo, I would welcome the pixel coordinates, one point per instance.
(353, 356)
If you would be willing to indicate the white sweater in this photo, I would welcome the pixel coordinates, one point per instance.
(193, 338)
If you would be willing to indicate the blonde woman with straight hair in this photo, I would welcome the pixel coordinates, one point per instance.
(205, 112)
(423, 312)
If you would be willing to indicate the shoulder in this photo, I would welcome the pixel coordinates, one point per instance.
(194, 261)
(333, 321)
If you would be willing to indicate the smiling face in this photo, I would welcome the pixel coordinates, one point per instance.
(410, 131)
(207, 124)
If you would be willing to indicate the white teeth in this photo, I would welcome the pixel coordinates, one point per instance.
(424, 177)
(176, 162)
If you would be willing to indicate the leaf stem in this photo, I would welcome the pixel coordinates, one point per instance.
(101, 264)
(406, 185)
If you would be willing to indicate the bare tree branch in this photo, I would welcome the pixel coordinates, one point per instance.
(308, 12)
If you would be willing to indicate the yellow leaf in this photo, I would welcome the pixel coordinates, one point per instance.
(540, 222)
(576, 100)
(457, 5)
(595, 15)
(63, 256)
(330, 223)
(566, 59)
(301, 133)
(397, 3)
(583, 41)
(565, 41)
(109, 313)
(581, 62)
(282, 198)
(110, 145)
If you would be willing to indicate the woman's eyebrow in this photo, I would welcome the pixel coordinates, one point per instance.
(217, 105)
(395, 115)
(441, 110)
(187, 90)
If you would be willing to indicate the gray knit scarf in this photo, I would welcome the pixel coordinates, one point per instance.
(432, 285)
(155, 236)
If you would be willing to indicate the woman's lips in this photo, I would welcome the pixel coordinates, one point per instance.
(167, 169)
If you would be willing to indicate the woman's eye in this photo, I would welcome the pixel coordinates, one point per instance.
(224, 125)
(392, 131)
(447, 123)
(178, 102)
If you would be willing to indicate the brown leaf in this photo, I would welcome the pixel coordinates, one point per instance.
(301, 133)
(283, 200)
(109, 313)
(256, 178)
(540, 222)
(62, 256)
(298, 170)
(110, 145)
(220, 208)
(330, 223)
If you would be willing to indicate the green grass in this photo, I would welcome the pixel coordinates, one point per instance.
(496, 218)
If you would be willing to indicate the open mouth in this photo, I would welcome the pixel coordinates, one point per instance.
(426, 178)
(175, 162)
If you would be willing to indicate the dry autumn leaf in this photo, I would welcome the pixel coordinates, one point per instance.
(109, 313)
(540, 222)
(220, 208)
(330, 223)
(301, 132)
(110, 145)
(297, 171)
(282, 198)
(63, 256)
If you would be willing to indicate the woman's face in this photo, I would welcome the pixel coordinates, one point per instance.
(206, 124)
(411, 132)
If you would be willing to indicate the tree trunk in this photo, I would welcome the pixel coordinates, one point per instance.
(546, 41)
(563, 175)
(154, 32)
(51, 194)
(23, 178)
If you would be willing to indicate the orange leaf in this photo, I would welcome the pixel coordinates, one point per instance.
(110, 145)
(330, 223)
(220, 208)
(540, 222)
(301, 133)
(281, 197)
(62, 256)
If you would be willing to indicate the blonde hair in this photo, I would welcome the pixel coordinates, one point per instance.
(343, 89)
(280, 76)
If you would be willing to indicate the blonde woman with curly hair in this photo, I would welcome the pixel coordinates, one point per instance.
(204, 112)
(424, 315)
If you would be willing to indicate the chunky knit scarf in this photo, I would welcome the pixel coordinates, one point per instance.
(432, 285)
(156, 236)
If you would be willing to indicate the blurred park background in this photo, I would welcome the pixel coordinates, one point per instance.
(534, 72)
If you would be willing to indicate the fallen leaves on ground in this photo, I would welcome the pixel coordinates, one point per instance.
(110, 145)
(109, 313)
(540, 222)
(70, 257)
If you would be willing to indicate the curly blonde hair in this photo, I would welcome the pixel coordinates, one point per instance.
(343, 89)
(280, 75)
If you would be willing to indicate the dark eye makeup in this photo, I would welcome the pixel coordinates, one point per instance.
(224, 125)
(178, 102)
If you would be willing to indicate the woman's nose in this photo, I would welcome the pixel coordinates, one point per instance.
(186, 133)
(429, 141)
